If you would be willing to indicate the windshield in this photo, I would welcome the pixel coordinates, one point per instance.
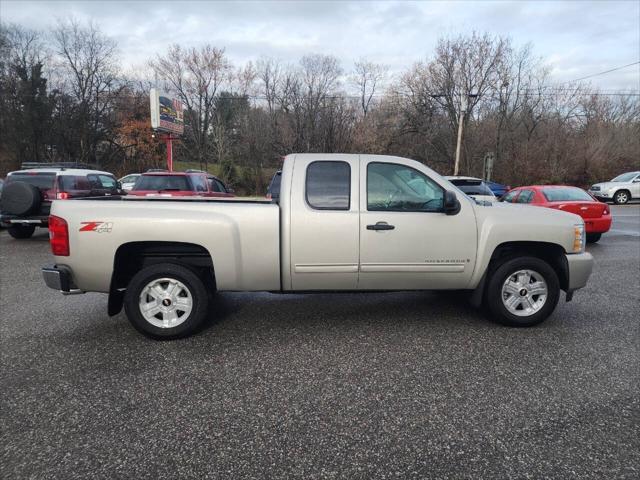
(566, 194)
(163, 182)
(625, 177)
(472, 187)
(42, 180)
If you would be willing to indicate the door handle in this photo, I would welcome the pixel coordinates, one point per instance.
(381, 226)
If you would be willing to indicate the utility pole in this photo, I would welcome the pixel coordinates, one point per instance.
(463, 110)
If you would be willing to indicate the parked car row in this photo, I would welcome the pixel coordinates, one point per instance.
(27, 194)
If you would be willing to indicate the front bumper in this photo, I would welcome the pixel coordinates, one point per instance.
(579, 267)
(59, 277)
(600, 195)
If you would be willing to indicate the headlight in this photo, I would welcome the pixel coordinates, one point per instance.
(579, 238)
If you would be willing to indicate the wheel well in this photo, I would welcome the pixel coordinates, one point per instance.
(551, 253)
(626, 190)
(132, 257)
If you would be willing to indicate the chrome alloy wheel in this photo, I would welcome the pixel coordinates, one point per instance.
(165, 302)
(622, 197)
(524, 293)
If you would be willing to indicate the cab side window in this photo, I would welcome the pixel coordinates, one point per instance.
(398, 188)
(328, 185)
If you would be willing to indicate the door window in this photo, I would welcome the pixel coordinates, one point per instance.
(397, 188)
(526, 196)
(328, 185)
(510, 197)
(102, 182)
(74, 183)
(199, 183)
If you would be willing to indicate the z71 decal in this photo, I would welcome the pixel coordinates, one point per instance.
(99, 227)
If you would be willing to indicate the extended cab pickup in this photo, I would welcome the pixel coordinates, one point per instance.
(341, 223)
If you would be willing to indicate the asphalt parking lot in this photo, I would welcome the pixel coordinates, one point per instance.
(398, 385)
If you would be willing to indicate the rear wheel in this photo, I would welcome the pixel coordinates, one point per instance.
(593, 237)
(21, 231)
(166, 301)
(621, 197)
(522, 292)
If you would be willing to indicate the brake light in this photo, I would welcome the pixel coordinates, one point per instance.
(62, 195)
(59, 236)
(606, 211)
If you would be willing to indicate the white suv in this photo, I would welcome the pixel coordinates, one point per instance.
(621, 189)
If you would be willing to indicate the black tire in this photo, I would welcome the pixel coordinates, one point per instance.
(593, 237)
(20, 198)
(195, 286)
(621, 197)
(21, 231)
(493, 293)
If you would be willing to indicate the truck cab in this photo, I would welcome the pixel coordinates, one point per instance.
(362, 222)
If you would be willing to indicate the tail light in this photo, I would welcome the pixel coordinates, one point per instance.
(606, 210)
(62, 195)
(59, 236)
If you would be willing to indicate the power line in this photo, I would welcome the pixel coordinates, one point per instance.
(602, 73)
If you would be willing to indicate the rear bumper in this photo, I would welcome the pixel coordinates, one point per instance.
(37, 220)
(59, 277)
(597, 225)
(579, 267)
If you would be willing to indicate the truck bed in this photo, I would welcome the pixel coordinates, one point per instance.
(242, 236)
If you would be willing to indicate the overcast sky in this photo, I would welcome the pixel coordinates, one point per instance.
(576, 38)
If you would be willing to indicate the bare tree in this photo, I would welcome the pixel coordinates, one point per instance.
(89, 61)
(368, 78)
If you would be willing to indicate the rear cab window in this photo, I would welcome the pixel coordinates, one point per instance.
(328, 185)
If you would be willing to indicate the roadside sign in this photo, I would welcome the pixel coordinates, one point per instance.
(166, 113)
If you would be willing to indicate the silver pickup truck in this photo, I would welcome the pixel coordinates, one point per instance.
(340, 223)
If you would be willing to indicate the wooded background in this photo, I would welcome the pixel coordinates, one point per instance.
(64, 96)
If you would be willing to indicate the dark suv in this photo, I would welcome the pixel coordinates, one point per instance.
(27, 194)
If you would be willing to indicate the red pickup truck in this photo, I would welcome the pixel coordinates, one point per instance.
(180, 184)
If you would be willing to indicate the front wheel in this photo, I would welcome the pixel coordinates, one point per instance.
(593, 237)
(166, 301)
(621, 197)
(21, 231)
(522, 292)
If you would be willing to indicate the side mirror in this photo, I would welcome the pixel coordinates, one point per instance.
(451, 204)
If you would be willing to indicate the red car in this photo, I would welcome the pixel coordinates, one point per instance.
(596, 215)
(180, 184)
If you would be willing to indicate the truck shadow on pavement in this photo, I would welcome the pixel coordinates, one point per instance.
(266, 311)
